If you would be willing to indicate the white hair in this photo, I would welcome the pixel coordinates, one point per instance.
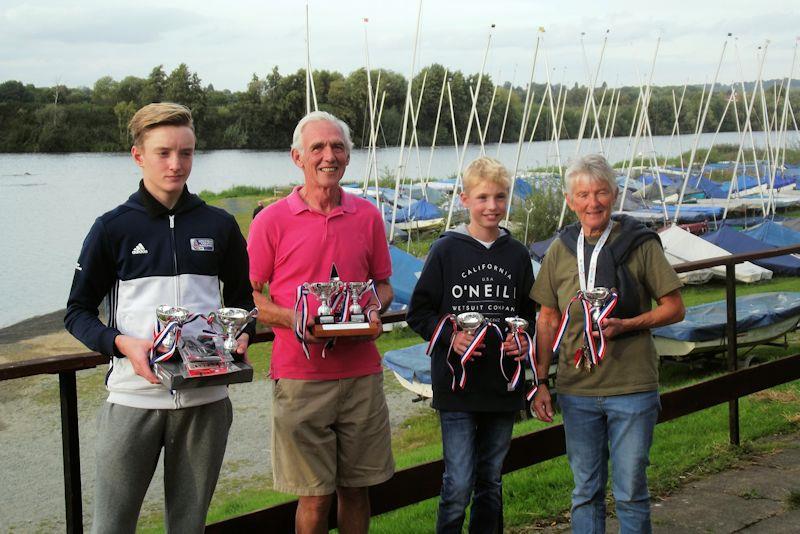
(317, 116)
(593, 167)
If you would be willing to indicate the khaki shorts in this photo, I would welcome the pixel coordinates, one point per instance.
(329, 434)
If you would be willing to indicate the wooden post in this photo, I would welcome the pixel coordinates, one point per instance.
(71, 451)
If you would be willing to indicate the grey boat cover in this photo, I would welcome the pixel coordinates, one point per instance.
(411, 363)
(706, 322)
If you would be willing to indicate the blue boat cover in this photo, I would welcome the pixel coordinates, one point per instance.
(522, 188)
(539, 249)
(648, 179)
(774, 234)
(711, 188)
(410, 363)
(418, 211)
(739, 243)
(707, 322)
(405, 273)
(792, 169)
(750, 222)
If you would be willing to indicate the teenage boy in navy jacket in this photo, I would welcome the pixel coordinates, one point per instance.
(163, 246)
(476, 267)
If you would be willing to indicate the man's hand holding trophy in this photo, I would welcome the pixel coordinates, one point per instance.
(340, 312)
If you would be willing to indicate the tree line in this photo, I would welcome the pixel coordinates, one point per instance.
(263, 116)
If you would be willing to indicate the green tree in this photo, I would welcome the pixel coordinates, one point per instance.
(154, 87)
(124, 111)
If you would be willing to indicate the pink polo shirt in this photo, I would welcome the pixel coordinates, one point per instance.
(289, 244)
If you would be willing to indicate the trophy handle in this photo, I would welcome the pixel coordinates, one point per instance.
(252, 315)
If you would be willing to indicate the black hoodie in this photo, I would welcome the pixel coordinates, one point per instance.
(460, 275)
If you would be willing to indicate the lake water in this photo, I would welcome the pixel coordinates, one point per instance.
(49, 202)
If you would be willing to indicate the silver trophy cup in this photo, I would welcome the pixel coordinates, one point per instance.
(357, 290)
(232, 321)
(168, 314)
(515, 324)
(469, 321)
(324, 291)
(597, 298)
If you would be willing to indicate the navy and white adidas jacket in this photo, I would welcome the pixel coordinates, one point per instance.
(141, 255)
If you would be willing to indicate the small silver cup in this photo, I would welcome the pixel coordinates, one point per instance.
(469, 321)
(168, 314)
(597, 298)
(357, 289)
(232, 321)
(515, 324)
(324, 291)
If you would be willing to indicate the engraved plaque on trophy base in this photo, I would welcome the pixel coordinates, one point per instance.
(346, 329)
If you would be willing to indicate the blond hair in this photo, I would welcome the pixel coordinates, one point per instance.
(158, 114)
(486, 170)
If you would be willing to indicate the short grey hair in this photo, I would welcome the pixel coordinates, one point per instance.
(596, 167)
(317, 116)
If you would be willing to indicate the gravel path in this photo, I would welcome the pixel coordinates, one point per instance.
(31, 491)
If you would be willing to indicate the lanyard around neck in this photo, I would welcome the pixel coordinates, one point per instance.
(587, 282)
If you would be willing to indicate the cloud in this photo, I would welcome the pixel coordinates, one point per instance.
(94, 24)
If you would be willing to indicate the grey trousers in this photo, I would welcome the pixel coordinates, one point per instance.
(129, 442)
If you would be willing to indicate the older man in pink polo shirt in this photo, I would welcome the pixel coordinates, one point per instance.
(330, 421)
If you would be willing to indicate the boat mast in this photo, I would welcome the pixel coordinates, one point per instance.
(525, 116)
(699, 131)
(311, 93)
(399, 173)
(505, 114)
(645, 100)
(472, 117)
(435, 132)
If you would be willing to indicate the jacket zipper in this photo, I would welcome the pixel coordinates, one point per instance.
(175, 260)
(175, 394)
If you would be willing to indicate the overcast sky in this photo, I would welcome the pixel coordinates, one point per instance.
(45, 42)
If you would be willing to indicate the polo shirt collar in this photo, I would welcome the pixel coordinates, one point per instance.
(298, 205)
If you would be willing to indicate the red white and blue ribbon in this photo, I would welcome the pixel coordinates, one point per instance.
(587, 333)
(532, 362)
(159, 337)
(173, 327)
(374, 308)
(514, 380)
(480, 334)
(597, 349)
(562, 327)
(301, 318)
(345, 305)
(437, 333)
(604, 313)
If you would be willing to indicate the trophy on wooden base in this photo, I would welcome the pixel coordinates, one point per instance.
(340, 313)
(208, 359)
